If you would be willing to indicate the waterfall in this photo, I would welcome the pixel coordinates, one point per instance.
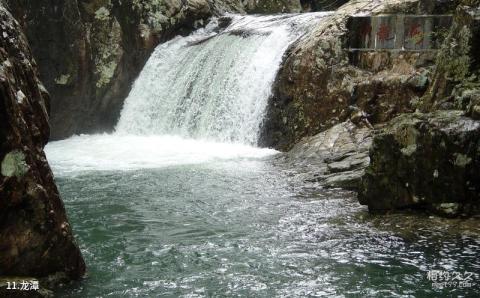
(214, 84)
(200, 99)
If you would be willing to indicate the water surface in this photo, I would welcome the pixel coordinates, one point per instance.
(237, 223)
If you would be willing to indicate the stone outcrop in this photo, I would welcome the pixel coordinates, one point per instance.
(336, 157)
(427, 161)
(320, 84)
(35, 236)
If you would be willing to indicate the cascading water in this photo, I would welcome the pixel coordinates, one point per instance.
(213, 84)
(198, 99)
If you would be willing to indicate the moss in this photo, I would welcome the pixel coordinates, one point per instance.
(458, 47)
(102, 14)
(63, 79)
(14, 165)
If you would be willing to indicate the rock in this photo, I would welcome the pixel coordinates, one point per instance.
(35, 237)
(320, 80)
(426, 161)
(273, 6)
(336, 157)
(321, 5)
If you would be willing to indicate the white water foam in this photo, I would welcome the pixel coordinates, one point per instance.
(120, 153)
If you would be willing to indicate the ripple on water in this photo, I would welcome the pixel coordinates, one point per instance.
(220, 229)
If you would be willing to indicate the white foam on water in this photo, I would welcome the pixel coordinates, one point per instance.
(129, 152)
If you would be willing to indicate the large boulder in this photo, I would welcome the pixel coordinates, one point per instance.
(35, 236)
(426, 161)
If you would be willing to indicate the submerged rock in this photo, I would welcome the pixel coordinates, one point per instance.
(426, 161)
(35, 237)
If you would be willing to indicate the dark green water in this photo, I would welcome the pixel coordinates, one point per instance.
(246, 228)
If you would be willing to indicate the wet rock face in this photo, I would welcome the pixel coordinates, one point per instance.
(35, 236)
(428, 161)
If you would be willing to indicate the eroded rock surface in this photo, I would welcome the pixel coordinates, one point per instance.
(35, 236)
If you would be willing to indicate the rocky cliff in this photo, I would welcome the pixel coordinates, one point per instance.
(35, 236)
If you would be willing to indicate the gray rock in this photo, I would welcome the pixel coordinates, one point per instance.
(336, 157)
